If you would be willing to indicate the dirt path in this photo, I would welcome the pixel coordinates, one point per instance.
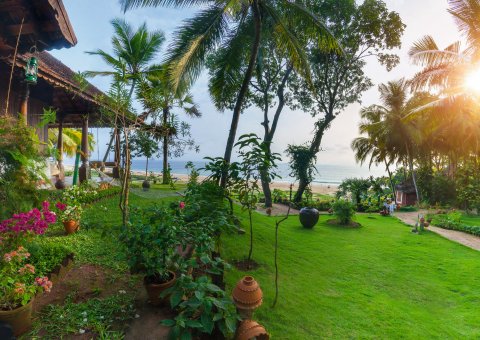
(467, 240)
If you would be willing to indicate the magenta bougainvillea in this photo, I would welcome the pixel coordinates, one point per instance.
(35, 221)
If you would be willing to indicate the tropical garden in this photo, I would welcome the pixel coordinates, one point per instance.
(223, 255)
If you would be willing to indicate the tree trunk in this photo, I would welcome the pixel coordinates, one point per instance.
(166, 177)
(391, 181)
(414, 179)
(243, 90)
(146, 170)
(270, 132)
(265, 180)
(314, 149)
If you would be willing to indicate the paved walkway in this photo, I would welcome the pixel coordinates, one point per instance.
(467, 240)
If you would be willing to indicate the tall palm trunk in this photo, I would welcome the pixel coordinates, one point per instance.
(412, 171)
(387, 166)
(243, 90)
(146, 170)
(166, 177)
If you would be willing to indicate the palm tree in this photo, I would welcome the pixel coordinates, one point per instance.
(391, 127)
(71, 138)
(158, 98)
(133, 52)
(447, 70)
(236, 26)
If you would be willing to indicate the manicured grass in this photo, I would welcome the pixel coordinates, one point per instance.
(379, 281)
(473, 220)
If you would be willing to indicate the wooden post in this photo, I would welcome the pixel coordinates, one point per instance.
(24, 103)
(84, 172)
(60, 184)
(116, 169)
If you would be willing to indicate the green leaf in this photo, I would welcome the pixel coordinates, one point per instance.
(168, 322)
(176, 298)
(194, 324)
(207, 322)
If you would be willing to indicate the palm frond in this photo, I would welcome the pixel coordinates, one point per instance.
(195, 39)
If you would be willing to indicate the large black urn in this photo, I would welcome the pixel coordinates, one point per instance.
(309, 217)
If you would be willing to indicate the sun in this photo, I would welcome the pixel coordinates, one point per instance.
(472, 81)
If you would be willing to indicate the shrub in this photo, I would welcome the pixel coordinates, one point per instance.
(452, 221)
(408, 208)
(344, 211)
(20, 167)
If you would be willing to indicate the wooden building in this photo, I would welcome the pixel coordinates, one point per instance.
(406, 195)
(28, 29)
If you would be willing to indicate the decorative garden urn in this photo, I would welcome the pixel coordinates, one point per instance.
(145, 185)
(249, 329)
(309, 217)
(59, 184)
(247, 296)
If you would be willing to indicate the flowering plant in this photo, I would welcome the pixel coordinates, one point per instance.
(79, 194)
(18, 284)
(20, 226)
(68, 212)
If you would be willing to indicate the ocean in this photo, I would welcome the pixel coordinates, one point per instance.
(327, 173)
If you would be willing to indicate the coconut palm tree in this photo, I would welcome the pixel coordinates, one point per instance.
(237, 26)
(71, 138)
(133, 53)
(449, 69)
(156, 93)
(392, 127)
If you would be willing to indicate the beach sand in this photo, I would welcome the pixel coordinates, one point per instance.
(317, 188)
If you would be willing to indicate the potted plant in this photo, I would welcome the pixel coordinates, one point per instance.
(150, 242)
(70, 216)
(18, 284)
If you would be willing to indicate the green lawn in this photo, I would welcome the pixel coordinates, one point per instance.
(379, 281)
(473, 220)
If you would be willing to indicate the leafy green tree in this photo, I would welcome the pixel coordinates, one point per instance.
(365, 31)
(356, 187)
(236, 27)
(156, 93)
(143, 144)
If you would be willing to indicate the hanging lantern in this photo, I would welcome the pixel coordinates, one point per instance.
(31, 71)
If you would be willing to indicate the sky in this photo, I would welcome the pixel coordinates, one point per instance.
(91, 22)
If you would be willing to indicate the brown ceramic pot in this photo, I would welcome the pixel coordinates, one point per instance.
(247, 296)
(71, 227)
(20, 318)
(155, 289)
(249, 329)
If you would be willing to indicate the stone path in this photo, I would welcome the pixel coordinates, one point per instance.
(467, 240)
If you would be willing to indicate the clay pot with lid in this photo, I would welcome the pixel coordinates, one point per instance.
(247, 296)
(249, 329)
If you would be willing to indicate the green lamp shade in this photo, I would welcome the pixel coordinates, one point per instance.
(31, 71)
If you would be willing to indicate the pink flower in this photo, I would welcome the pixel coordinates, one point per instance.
(28, 268)
(61, 206)
(44, 282)
(181, 205)
(19, 288)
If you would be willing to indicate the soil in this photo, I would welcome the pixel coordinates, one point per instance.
(88, 281)
(350, 225)
(245, 265)
(277, 210)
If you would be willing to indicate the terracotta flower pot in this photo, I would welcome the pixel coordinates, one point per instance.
(309, 217)
(155, 289)
(247, 296)
(71, 227)
(249, 329)
(20, 318)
